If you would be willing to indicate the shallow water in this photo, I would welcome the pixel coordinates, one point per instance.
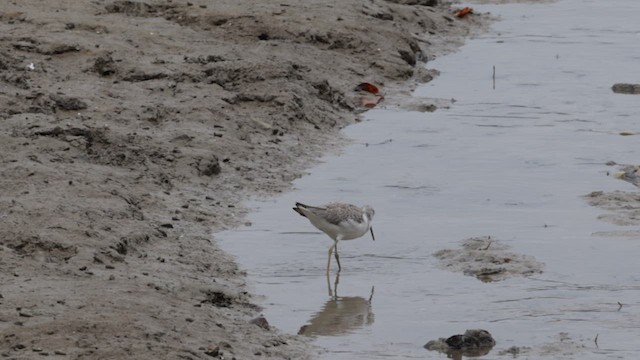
(511, 162)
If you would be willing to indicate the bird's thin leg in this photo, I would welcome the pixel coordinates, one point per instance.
(337, 256)
(329, 258)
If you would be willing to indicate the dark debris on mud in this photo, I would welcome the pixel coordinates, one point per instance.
(473, 343)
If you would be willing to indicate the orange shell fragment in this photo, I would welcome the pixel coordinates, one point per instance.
(464, 12)
(368, 87)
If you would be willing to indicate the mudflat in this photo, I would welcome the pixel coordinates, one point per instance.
(130, 132)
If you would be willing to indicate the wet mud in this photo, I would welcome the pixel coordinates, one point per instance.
(488, 260)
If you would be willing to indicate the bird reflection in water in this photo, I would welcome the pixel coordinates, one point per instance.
(340, 315)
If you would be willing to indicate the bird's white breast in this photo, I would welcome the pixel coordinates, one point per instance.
(345, 230)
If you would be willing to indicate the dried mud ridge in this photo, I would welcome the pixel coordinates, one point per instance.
(488, 260)
(132, 130)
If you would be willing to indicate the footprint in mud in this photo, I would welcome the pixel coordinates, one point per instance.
(488, 260)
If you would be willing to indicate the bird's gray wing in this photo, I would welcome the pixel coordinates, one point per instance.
(336, 213)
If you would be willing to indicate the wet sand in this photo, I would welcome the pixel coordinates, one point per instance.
(513, 161)
(132, 130)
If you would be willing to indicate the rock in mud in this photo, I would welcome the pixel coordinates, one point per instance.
(104, 65)
(408, 57)
(215, 352)
(137, 75)
(68, 102)
(210, 167)
(488, 260)
(474, 342)
(58, 49)
(217, 298)
(261, 322)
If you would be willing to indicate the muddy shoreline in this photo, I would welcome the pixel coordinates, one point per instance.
(132, 130)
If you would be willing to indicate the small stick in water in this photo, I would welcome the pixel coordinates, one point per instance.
(494, 77)
(596, 340)
(619, 305)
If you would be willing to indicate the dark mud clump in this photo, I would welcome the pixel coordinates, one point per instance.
(631, 89)
(474, 342)
(488, 260)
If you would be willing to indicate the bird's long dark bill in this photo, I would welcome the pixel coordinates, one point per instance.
(372, 236)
